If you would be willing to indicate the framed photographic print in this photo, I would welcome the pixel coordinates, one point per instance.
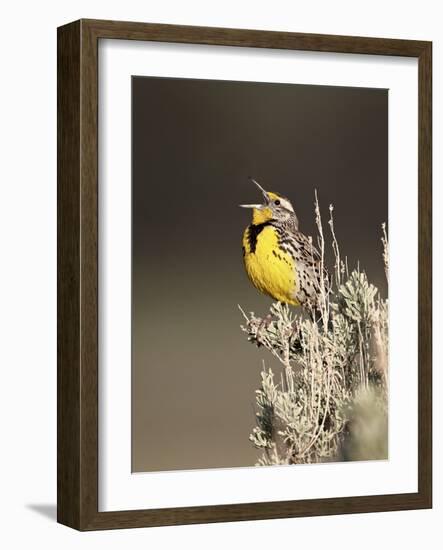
(244, 275)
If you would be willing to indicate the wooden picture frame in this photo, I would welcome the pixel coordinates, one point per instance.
(77, 456)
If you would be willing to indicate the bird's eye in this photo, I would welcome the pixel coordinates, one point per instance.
(277, 202)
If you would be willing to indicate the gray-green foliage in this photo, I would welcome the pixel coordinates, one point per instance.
(330, 399)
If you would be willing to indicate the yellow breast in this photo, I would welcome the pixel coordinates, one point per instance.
(270, 269)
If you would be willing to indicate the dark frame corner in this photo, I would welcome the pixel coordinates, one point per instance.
(77, 320)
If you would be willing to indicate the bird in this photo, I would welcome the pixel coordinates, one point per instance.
(279, 260)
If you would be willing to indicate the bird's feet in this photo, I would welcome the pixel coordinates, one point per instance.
(265, 322)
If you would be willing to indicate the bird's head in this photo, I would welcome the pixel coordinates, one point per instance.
(275, 208)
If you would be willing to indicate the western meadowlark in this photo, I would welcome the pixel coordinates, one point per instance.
(279, 260)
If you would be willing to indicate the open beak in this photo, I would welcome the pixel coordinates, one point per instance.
(265, 197)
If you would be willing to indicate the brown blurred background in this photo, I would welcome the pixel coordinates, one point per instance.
(195, 142)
